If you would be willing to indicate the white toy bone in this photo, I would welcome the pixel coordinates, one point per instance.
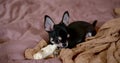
(45, 52)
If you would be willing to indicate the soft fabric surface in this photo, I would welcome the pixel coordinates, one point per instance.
(21, 22)
(104, 47)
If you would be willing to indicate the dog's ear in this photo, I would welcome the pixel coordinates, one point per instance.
(65, 18)
(48, 23)
(94, 23)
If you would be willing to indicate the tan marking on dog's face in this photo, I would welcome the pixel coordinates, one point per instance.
(68, 35)
(51, 40)
(60, 38)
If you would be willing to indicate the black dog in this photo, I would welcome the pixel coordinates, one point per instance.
(68, 35)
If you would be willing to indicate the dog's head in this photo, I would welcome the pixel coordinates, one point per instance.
(57, 32)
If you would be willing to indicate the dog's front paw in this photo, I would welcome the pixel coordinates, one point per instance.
(56, 52)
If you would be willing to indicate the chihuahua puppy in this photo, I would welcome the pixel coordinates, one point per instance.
(66, 35)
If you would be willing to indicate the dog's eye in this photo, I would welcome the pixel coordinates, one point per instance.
(59, 38)
(68, 35)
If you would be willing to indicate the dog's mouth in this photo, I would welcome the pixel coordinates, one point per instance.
(62, 45)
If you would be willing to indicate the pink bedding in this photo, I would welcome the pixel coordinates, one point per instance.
(21, 22)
